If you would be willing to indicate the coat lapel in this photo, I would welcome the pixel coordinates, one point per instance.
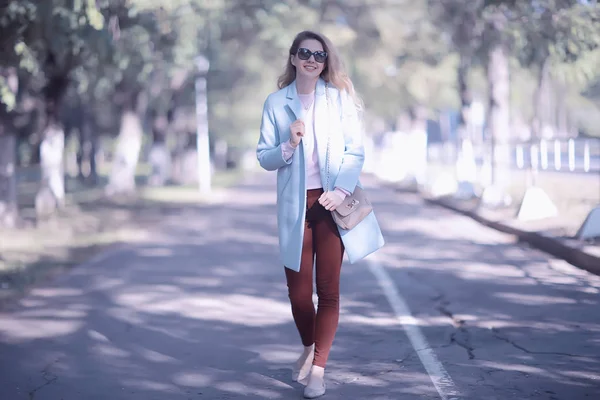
(294, 104)
(321, 117)
(321, 122)
(294, 101)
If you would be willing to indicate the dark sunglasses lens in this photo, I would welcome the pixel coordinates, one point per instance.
(304, 54)
(320, 56)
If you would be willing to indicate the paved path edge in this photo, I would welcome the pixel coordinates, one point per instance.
(548, 244)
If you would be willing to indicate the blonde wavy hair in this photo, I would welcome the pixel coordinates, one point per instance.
(334, 71)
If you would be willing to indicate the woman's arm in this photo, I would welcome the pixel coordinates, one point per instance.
(269, 151)
(354, 152)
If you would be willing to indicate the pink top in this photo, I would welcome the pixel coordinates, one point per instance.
(313, 175)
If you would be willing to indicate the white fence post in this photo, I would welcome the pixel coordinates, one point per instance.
(534, 154)
(571, 155)
(586, 156)
(544, 153)
(520, 157)
(557, 155)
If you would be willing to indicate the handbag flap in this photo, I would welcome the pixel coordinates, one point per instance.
(349, 205)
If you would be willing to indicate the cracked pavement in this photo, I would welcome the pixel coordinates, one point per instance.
(200, 311)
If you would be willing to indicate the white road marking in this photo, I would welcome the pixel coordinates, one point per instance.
(439, 376)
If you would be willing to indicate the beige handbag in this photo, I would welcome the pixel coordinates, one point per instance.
(356, 206)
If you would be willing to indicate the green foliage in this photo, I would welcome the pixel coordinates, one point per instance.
(562, 37)
(7, 96)
(62, 31)
(400, 54)
(16, 17)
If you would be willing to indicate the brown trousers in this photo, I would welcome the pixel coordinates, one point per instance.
(321, 238)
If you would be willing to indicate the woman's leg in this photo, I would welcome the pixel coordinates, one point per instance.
(300, 291)
(330, 252)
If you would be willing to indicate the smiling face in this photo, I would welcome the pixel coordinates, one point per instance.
(309, 68)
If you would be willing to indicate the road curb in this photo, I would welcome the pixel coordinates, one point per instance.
(548, 244)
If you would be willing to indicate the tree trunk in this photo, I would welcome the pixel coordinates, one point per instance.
(51, 194)
(499, 115)
(465, 98)
(8, 180)
(126, 155)
(538, 119)
(466, 167)
(185, 160)
(86, 154)
(8, 156)
(93, 154)
(562, 112)
(160, 156)
(184, 131)
(463, 35)
(181, 144)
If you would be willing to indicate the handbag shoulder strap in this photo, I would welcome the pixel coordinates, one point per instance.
(328, 135)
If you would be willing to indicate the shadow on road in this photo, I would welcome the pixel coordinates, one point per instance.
(201, 311)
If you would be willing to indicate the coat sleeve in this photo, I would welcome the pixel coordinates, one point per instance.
(354, 151)
(268, 151)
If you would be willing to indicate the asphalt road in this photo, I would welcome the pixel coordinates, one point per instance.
(447, 310)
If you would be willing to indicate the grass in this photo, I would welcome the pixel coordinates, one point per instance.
(88, 225)
(574, 195)
(188, 194)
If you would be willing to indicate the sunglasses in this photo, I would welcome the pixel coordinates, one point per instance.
(304, 54)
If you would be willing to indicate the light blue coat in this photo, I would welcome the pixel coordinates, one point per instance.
(346, 161)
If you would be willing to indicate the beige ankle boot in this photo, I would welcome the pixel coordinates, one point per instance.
(301, 368)
(316, 383)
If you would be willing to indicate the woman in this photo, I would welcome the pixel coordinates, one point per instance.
(315, 105)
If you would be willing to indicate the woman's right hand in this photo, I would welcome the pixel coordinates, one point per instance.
(296, 132)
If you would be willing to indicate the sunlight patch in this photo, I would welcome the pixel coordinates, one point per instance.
(192, 379)
(515, 367)
(533, 300)
(236, 308)
(56, 292)
(151, 385)
(32, 329)
(110, 351)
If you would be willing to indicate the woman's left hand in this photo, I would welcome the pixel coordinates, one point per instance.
(330, 200)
